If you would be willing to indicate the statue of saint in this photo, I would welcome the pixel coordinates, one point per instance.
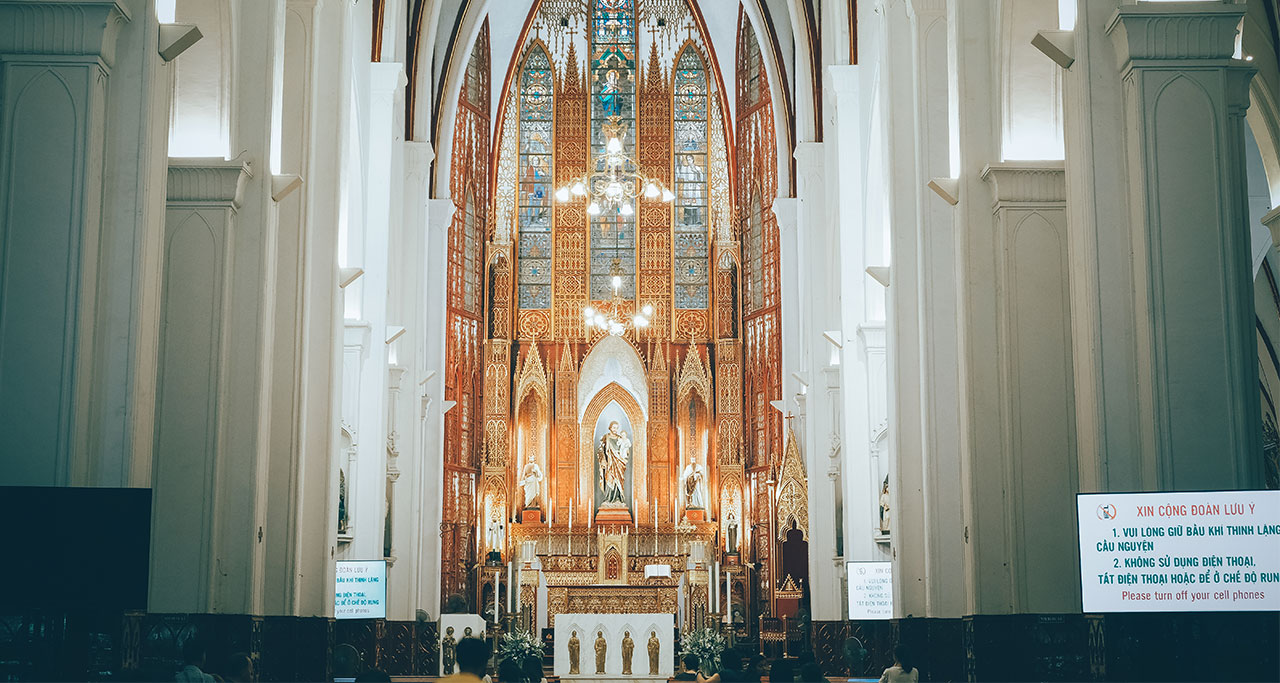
(574, 647)
(531, 482)
(495, 533)
(447, 652)
(884, 507)
(628, 647)
(610, 94)
(613, 454)
(693, 477)
(731, 533)
(654, 648)
(600, 650)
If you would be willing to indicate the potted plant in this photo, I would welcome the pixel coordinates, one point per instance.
(520, 647)
(706, 644)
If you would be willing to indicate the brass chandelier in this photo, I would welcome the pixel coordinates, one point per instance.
(614, 186)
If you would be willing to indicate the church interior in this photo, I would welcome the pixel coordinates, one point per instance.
(356, 328)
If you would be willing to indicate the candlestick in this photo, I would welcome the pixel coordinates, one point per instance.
(727, 600)
(495, 596)
(711, 587)
(510, 571)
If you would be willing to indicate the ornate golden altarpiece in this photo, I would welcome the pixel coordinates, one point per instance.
(696, 383)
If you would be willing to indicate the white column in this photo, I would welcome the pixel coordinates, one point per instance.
(230, 441)
(1036, 467)
(378, 137)
(288, 463)
(315, 527)
(1196, 361)
(926, 532)
(820, 433)
(1015, 355)
(122, 422)
(1106, 384)
(439, 216)
(192, 463)
(407, 308)
(55, 67)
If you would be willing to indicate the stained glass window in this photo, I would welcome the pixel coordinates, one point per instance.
(534, 219)
(613, 109)
(751, 76)
(753, 251)
(690, 265)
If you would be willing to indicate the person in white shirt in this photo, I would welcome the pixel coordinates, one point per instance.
(903, 669)
(193, 653)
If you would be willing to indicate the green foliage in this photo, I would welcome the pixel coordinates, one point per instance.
(519, 646)
(707, 644)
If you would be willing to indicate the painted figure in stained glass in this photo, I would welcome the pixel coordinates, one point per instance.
(610, 102)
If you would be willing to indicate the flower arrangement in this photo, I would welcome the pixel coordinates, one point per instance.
(707, 644)
(519, 646)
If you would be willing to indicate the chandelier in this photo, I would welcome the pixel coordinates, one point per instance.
(615, 183)
(607, 320)
(614, 186)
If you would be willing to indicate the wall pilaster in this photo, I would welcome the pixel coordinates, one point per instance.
(56, 61)
(1184, 101)
(202, 240)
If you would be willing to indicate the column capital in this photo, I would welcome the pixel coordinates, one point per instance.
(1272, 221)
(844, 81)
(439, 214)
(62, 27)
(386, 77)
(1159, 31)
(1026, 182)
(417, 160)
(207, 181)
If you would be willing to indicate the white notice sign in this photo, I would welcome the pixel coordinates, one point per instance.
(870, 590)
(360, 590)
(1212, 551)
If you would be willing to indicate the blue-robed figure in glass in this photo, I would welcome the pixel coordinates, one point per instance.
(610, 94)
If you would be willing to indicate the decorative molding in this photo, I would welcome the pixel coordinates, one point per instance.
(62, 27)
(207, 181)
(793, 491)
(1164, 30)
(1272, 221)
(1026, 183)
(694, 376)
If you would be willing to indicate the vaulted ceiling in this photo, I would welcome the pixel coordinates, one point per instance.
(449, 28)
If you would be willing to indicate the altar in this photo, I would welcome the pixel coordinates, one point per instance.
(634, 646)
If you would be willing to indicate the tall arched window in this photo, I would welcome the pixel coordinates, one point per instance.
(534, 219)
(613, 111)
(463, 379)
(691, 253)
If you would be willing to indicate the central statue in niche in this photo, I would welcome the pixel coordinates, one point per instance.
(613, 454)
(612, 451)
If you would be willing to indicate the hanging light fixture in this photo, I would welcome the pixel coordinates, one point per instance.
(615, 184)
(608, 321)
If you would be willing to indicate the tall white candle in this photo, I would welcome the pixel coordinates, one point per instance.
(727, 598)
(711, 588)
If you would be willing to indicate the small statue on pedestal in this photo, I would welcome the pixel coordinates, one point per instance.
(531, 482)
(884, 507)
(447, 652)
(574, 647)
(628, 648)
(654, 648)
(601, 647)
